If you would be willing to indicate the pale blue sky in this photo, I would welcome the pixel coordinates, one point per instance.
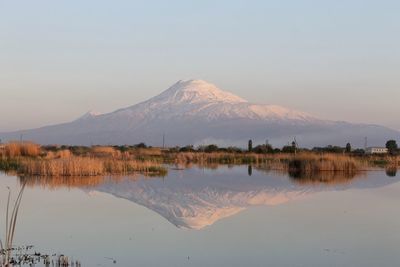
(334, 59)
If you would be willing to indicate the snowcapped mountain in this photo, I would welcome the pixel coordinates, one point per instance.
(201, 100)
(197, 112)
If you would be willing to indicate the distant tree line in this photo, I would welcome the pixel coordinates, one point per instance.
(391, 145)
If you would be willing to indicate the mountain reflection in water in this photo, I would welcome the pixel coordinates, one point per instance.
(195, 198)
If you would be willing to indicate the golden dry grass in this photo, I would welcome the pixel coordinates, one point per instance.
(28, 159)
(63, 154)
(73, 166)
(327, 162)
(105, 151)
(85, 166)
(152, 151)
(17, 149)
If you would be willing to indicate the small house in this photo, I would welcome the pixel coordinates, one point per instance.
(376, 150)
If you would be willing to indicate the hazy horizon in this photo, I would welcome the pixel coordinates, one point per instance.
(336, 60)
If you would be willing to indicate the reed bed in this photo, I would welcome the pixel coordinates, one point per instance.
(84, 166)
(105, 152)
(306, 162)
(31, 159)
(216, 157)
(73, 166)
(17, 149)
(311, 163)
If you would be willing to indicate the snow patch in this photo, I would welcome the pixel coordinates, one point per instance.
(88, 115)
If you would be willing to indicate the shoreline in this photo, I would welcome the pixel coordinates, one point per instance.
(29, 159)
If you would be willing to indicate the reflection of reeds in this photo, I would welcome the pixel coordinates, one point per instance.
(391, 171)
(11, 222)
(324, 177)
(54, 182)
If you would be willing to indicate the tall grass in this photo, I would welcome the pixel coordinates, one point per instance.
(16, 149)
(11, 222)
(84, 166)
(30, 159)
(72, 166)
(311, 163)
(105, 151)
(216, 157)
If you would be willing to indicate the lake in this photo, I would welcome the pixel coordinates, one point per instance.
(212, 217)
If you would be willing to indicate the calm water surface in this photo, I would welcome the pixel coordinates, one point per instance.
(223, 217)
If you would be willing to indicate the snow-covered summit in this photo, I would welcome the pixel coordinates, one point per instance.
(200, 100)
(197, 91)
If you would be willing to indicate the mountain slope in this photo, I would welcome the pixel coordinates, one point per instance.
(197, 112)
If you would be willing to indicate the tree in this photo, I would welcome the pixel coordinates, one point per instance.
(140, 145)
(392, 147)
(294, 146)
(359, 151)
(250, 146)
(329, 149)
(189, 148)
(348, 148)
(211, 148)
(263, 149)
(288, 149)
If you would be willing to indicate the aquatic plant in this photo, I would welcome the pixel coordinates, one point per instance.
(11, 222)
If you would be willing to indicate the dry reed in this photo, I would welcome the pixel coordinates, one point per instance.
(17, 149)
(11, 223)
(84, 166)
(105, 151)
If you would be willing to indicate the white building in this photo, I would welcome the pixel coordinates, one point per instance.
(376, 150)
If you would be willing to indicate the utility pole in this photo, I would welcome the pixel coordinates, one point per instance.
(163, 140)
(294, 145)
